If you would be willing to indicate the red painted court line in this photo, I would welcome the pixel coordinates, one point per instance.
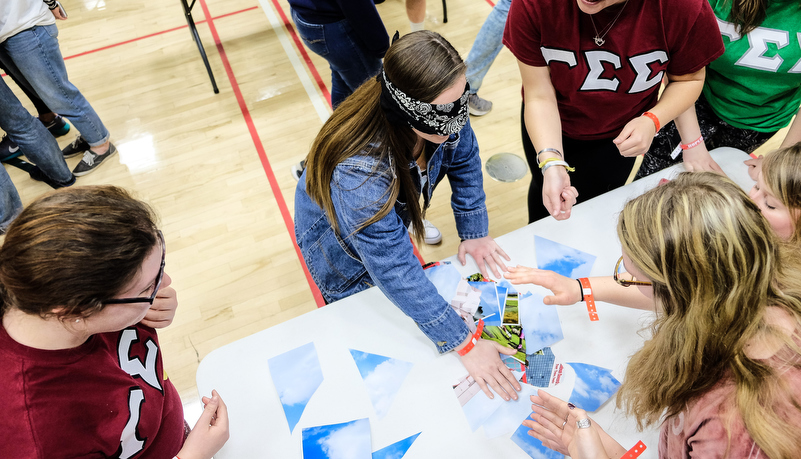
(155, 34)
(299, 45)
(279, 196)
(491, 4)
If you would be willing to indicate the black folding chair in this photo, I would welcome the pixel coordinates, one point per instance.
(193, 30)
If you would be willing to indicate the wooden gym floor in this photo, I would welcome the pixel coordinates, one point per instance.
(216, 166)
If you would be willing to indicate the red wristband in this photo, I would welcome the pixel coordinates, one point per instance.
(694, 143)
(473, 340)
(654, 119)
(634, 452)
(587, 292)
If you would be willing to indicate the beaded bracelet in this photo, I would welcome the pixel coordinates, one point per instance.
(474, 339)
(694, 143)
(654, 119)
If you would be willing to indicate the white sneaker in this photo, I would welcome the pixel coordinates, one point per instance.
(432, 236)
(297, 170)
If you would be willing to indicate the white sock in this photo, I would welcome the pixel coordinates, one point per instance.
(416, 26)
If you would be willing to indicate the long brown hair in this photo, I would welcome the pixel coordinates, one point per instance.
(747, 15)
(421, 64)
(781, 171)
(74, 248)
(715, 265)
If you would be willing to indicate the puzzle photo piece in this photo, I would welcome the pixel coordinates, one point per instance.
(348, 439)
(382, 377)
(540, 367)
(445, 278)
(489, 308)
(296, 375)
(396, 450)
(532, 446)
(540, 323)
(508, 417)
(562, 259)
(594, 386)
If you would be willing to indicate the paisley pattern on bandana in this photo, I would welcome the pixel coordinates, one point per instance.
(435, 119)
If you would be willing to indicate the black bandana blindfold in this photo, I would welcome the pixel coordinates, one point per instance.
(433, 119)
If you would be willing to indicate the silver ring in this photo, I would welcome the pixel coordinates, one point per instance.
(563, 424)
(583, 423)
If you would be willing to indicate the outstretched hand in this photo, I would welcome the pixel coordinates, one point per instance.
(565, 290)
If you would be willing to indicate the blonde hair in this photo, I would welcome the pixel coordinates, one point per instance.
(781, 171)
(715, 265)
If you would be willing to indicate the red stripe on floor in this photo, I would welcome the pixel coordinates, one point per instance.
(303, 53)
(279, 196)
(154, 34)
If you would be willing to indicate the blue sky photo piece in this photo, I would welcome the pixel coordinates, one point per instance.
(508, 285)
(508, 417)
(501, 297)
(562, 259)
(489, 302)
(532, 446)
(348, 440)
(382, 377)
(594, 386)
(296, 375)
(540, 367)
(540, 323)
(445, 278)
(395, 450)
(480, 408)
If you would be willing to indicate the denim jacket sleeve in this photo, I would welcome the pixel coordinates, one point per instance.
(467, 185)
(386, 251)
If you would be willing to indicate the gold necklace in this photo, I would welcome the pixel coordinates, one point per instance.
(599, 37)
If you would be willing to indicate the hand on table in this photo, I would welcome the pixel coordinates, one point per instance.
(754, 167)
(565, 290)
(636, 137)
(211, 431)
(486, 368)
(554, 423)
(486, 252)
(698, 159)
(558, 196)
(162, 311)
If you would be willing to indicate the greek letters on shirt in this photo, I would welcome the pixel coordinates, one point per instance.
(756, 57)
(599, 60)
(130, 441)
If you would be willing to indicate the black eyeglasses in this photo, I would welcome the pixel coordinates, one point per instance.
(625, 282)
(159, 277)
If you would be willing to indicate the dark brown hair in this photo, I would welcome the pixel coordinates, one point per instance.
(421, 64)
(73, 249)
(747, 15)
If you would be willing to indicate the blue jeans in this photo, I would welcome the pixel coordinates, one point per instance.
(351, 64)
(34, 55)
(35, 142)
(487, 45)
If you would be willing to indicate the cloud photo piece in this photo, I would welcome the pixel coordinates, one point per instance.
(594, 386)
(382, 377)
(532, 446)
(540, 323)
(508, 417)
(489, 308)
(562, 259)
(348, 440)
(396, 450)
(296, 375)
(445, 278)
(477, 407)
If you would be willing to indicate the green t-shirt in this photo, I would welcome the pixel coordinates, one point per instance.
(756, 84)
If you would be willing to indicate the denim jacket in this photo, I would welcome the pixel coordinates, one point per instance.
(381, 254)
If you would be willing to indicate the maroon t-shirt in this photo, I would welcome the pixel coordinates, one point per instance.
(600, 89)
(108, 397)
